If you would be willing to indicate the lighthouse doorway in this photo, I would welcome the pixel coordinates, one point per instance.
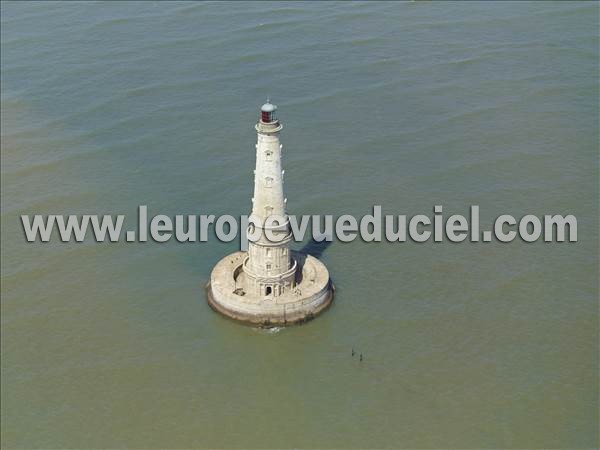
(269, 290)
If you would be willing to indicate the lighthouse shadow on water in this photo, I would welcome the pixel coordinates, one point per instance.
(315, 248)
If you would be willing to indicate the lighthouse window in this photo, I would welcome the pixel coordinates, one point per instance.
(268, 181)
(268, 266)
(269, 155)
(268, 252)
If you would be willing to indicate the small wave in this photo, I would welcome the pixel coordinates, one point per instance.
(271, 330)
(265, 26)
(187, 9)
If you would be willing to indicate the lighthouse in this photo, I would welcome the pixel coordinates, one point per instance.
(269, 284)
(269, 267)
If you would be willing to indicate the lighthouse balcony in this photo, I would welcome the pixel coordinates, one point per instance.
(268, 127)
(281, 277)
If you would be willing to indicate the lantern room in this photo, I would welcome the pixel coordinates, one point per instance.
(267, 113)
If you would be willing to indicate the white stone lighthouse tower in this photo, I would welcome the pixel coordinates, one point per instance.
(269, 268)
(270, 284)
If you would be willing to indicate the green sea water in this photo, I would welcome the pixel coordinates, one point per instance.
(107, 106)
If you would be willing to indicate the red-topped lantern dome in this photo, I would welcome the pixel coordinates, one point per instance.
(267, 113)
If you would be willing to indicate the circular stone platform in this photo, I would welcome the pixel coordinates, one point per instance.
(313, 293)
